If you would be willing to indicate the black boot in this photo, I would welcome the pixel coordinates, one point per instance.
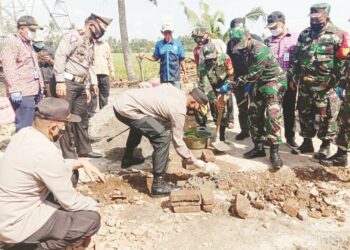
(160, 188)
(241, 136)
(257, 151)
(324, 151)
(305, 147)
(129, 159)
(339, 159)
(291, 143)
(275, 158)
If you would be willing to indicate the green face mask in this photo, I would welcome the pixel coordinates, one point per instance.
(38, 46)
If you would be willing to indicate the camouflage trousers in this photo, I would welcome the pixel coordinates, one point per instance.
(318, 111)
(265, 112)
(343, 133)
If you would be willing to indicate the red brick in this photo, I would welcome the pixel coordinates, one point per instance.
(223, 185)
(208, 208)
(207, 196)
(185, 203)
(241, 206)
(291, 207)
(208, 155)
(185, 195)
(187, 209)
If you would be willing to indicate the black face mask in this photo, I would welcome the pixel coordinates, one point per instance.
(191, 111)
(57, 136)
(317, 27)
(97, 33)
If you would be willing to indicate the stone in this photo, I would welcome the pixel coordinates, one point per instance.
(302, 214)
(181, 183)
(208, 155)
(258, 204)
(291, 207)
(314, 192)
(187, 209)
(223, 185)
(326, 212)
(241, 206)
(252, 196)
(303, 194)
(315, 214)
(207, 196)
(208, 208)
(185, 195)
(341, 219)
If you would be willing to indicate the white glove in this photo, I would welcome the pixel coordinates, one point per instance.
(199, 163)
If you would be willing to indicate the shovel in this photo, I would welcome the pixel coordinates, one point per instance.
(220, 145)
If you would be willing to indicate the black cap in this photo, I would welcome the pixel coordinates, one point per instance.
(199, 96)
(55, 109)
(28, 21)
(102, 21)
(273, 18)
(237, 21)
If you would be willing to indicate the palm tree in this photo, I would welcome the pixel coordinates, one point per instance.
(213, 23)
(125, 39)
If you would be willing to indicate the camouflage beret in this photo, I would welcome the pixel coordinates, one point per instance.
(198, 31)
(315, 9)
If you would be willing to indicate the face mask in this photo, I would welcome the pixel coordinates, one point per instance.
(191, 111)
(59, 134)
(38, 46)
(317, 27)
(205, 41)
(31, 35)
(97, 33)
(277, 32)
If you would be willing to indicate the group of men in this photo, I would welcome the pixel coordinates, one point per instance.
(40, 209)
(271, 78)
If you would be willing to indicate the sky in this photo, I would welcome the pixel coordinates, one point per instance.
(144, 19)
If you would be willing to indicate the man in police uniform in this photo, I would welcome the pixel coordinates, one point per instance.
(75, 79)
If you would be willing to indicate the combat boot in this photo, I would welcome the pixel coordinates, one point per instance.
(160, 188)
(324, 151)
(275, 158)
(257, 151)
(306, 147)
(339, 159)
(129, 159)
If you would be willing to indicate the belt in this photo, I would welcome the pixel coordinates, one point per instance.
(71, 77)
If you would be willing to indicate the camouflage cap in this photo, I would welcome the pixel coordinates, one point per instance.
(238, 33)
(198, 31)
(318, 9)
(209, 51)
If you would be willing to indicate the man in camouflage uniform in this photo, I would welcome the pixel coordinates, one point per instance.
(240, 67)
(75, 79)
(266, 83)
(342, 140)
(318, 70)
(215, 77)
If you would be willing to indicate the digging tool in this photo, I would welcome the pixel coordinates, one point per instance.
(220, 145)
(111, 138)
(139, 59)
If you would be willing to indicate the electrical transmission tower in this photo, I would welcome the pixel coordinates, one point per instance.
(59, 15)
(10, 11)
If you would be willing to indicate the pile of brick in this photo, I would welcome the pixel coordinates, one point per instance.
(191, 200)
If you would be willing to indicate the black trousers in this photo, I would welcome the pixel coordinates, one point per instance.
(76, 139)
(156, 133)
(289, 102)
(242, 109)
(103, 87)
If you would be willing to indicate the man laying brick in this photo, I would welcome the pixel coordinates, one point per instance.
(146, 111)
(40, 209)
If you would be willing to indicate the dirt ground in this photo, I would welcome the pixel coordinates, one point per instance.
(131, 219)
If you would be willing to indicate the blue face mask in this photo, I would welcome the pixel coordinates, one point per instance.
(38, 46)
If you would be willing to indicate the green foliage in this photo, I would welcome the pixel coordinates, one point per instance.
(213, 23)
(188, 42)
